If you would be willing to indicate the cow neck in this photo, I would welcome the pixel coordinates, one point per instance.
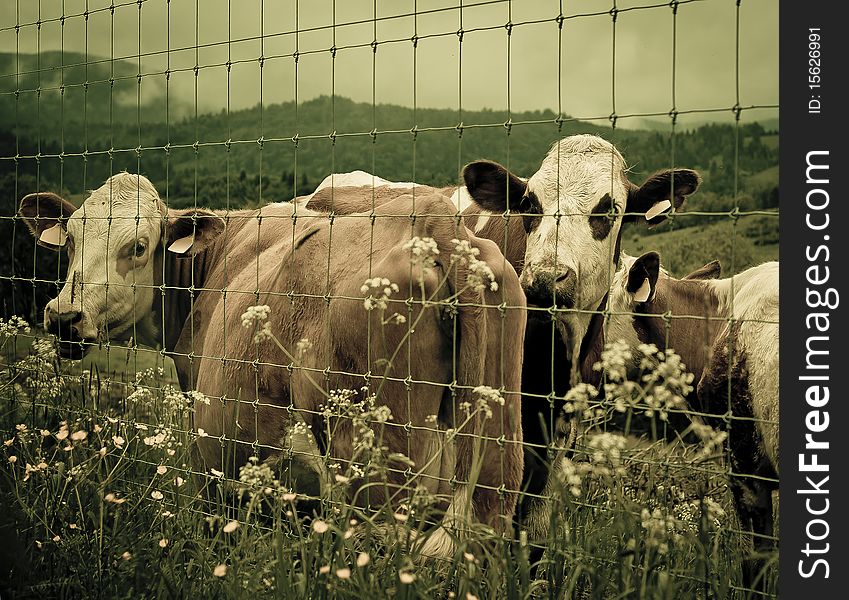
(593, 342)
(185, 278)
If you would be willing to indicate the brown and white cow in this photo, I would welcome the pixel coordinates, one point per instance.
(567, 219)
(726, 332)
(308, 269)
(571, 212)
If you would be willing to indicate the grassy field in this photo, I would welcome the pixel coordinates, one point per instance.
(737, 244)
(102, 499)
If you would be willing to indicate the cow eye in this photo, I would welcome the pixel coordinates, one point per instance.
(140, 248)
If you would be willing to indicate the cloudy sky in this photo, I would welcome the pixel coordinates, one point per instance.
(576, 70)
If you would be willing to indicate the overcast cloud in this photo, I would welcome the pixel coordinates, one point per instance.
(525, 71)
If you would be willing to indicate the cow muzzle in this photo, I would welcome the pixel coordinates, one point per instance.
(67, 327)
(548, 288)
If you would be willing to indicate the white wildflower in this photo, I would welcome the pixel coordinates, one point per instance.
(423, 251)
(379, 289)
(480, 275)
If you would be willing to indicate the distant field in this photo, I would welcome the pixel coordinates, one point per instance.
(738, 245)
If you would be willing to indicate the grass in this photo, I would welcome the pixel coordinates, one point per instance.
(738, 245)
(102, 500)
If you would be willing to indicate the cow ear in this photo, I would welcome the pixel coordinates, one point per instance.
(46, 214)
(661, 194)
(642, 277)
(190, 231)
(493, 187)
(712, 270)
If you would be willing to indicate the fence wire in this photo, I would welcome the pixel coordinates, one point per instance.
(344, 344)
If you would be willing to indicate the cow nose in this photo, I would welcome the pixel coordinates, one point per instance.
(62, 323)
(565, 276)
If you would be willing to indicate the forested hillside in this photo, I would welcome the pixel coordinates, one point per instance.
(69, 127)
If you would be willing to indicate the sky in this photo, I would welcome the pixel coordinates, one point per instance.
(649, 62)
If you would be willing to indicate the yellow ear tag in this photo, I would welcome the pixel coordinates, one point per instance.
(182, 245)
(658, 209)
(642, 294)
(54, 236)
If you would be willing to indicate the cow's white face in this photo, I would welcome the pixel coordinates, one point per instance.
(573, 208)
(113, 241)
(581, 192)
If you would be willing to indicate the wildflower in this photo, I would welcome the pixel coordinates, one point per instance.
(197, 397)
(14, 326)
(363, 559)
(423, 251)
(156, 495)
(341, 479)
(343, 573)
(9, 442)
(13, 459)
(56, 538)
(163, 543)
(21, 427)
(258, 478)
(219, 570)
(480, 276)
(118, 441)
(289, 497)
(255, 317)
(201, 432)
(165, 514)
(179, 481)
(255, 314)
(401, 517)
(324, 570)
(217, 473)
(406, 577)
(469, 556)
(569, 476)
(302, 346)
(103, 451)
(397, 319)
(320, 526)
(62, 433)
(72, 526)
(97, 428)
(127, 555)
(45, 433)
(579, 400)
(161, 470)
(379, 289)
(38, 544)
(230, 527)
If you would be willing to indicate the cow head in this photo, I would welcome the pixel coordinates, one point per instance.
(573, 208)
(114, 242)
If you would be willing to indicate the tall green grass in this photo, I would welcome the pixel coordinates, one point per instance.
(101, 498)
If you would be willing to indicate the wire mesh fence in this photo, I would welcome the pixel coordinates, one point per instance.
(318, 299)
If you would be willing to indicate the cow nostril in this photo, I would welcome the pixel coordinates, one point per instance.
(62, 324)
(563, 277)
(69, 318)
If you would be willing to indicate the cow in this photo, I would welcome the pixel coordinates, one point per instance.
(570, 213)
(561, 231)
(726, 332)
(186, 278)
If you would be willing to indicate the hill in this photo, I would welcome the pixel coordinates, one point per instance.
(67, 122)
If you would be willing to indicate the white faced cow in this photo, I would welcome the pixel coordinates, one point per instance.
(572, 211)
(121, 280)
